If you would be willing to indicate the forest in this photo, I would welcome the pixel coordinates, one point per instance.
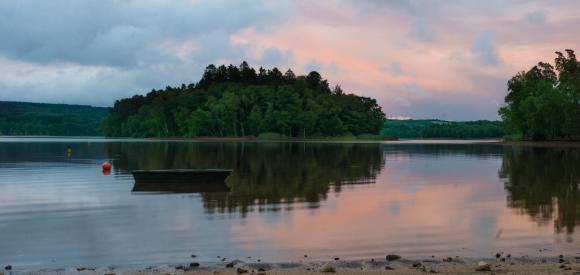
(434, 128)
(543, 103)
(231, 101)
(40, 119)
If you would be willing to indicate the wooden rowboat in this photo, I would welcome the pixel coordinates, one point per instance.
(181, 180)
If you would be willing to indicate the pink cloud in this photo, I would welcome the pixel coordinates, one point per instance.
(447, 65)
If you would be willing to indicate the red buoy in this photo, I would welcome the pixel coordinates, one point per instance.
(106, 166)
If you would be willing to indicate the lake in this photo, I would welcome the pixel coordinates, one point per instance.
(286, 199)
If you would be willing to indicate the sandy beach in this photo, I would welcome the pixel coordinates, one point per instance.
(501, 265)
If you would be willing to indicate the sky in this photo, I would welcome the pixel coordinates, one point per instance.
(420, 59)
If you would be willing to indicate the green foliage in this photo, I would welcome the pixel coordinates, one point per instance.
(464, 130)
(429, 128)
(544, 102)
(406, 128)
(236, 101)
(20, 118)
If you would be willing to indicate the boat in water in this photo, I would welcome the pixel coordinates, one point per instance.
(181, 180)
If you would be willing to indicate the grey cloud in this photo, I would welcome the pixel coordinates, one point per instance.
(322, 68)
(393, 69)
(536, 18)
(380, 6)
(312, 65)
(412, 87)
(118, 33)
(484, 48)
(459, 108)
(421, 31)
(115, 49)
(276, 57)
(403, 100)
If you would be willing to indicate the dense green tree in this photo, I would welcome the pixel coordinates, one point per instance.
(432, 128)
(235, 101)
(544, 102)
(463, 130)
(40, 119)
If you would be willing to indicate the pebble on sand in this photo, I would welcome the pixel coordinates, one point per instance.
(241, 271)
(483, 266)
(393, 257)
(417, 264)
(194, 264)
(328, 268)
(420, 266)
(389, 268)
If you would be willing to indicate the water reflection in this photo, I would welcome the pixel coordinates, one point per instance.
(543, 182)
(263, 173)
(480, 151)
(287, 199)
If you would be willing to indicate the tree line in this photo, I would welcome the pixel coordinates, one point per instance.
(464, 130)
(544, 102)
(232, 101)
(40, 119)
(433, 128)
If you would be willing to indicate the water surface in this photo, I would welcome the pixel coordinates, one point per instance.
(287, 199)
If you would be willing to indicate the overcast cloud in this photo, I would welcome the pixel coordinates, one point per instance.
(418, 58)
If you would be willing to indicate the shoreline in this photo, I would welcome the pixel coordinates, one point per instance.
(504, 264)
(552, 143)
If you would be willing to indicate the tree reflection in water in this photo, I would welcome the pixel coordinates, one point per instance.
(543, 182)
(266, 175)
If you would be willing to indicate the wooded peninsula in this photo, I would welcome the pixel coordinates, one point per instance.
(231, 101)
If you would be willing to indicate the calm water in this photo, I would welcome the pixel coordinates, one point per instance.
(348, 200)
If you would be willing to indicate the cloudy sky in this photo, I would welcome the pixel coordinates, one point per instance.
(421, 59)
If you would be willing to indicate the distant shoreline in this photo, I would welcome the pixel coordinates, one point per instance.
(551, 143)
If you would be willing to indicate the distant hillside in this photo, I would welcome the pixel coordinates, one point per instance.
(22, 118)
(433, 128)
